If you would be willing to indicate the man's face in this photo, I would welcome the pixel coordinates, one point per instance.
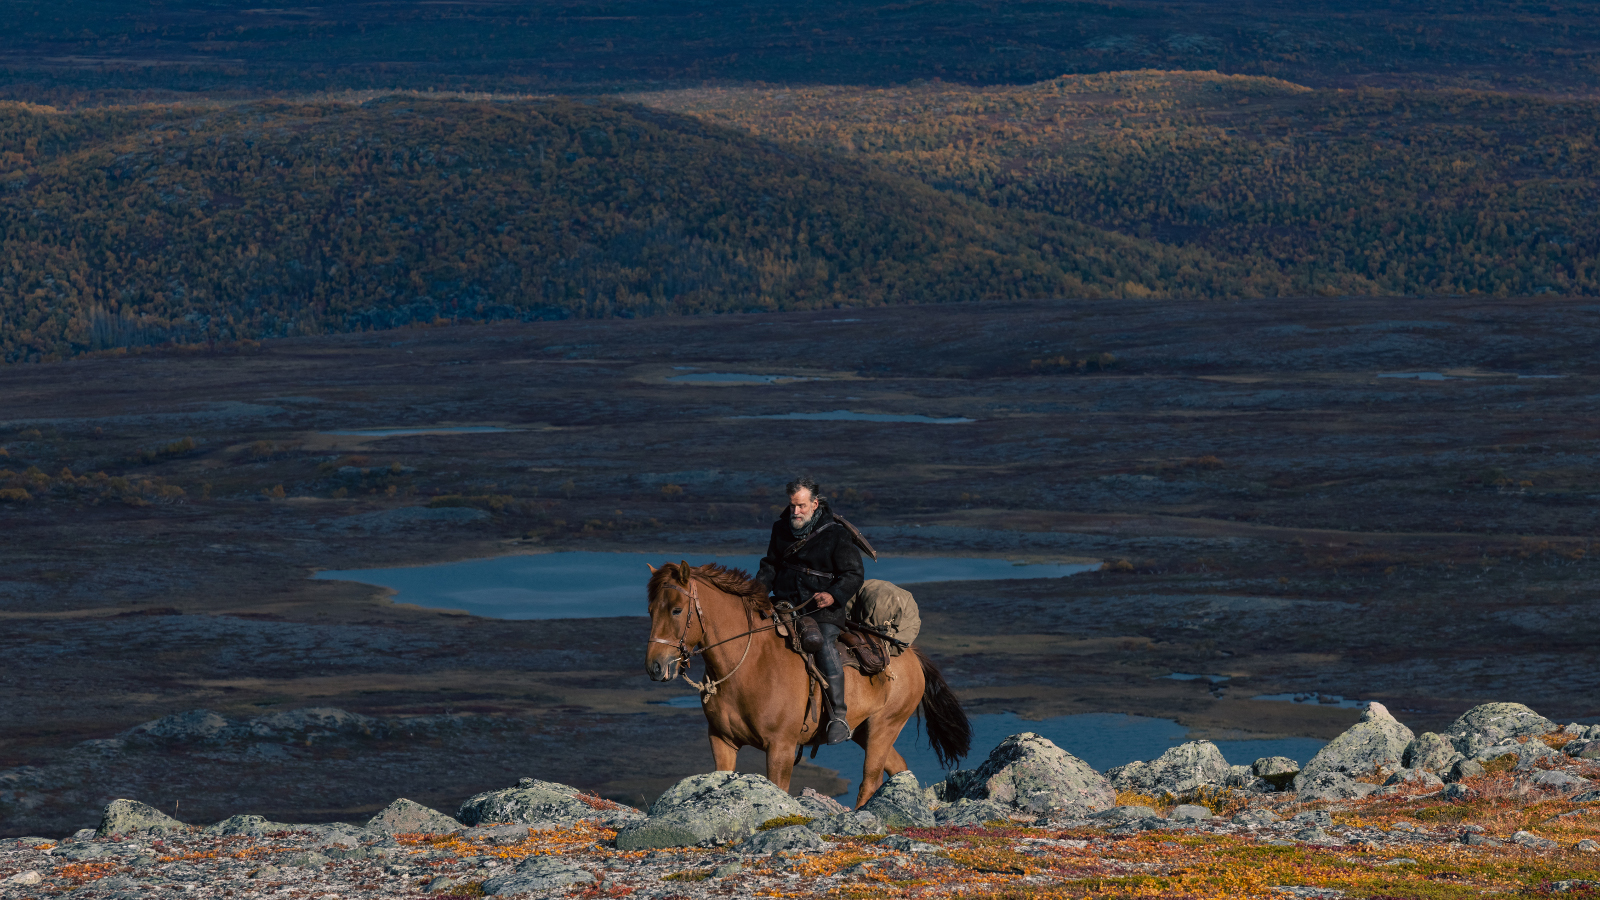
(802, 506)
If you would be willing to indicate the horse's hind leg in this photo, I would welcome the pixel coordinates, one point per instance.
(881, 755)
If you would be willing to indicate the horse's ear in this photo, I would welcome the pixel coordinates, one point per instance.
(652, 568)
(683, 570)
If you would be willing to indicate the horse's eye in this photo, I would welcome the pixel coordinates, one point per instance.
(677, 610)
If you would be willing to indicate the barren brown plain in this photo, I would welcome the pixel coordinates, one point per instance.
(1268, 506)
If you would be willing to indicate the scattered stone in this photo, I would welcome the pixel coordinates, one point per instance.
(545, 804)
(408, 817)
(1152, 823)
(1532, 752)
(1318, 893)
(1494, 721)
(540, 873)
(818, 805)
(906, 845)
(1463, 769)
(266, 873)
(439, 884)
(1278, 771)
(1330, 786)
(1119, 814)
(133, 817)
(1029, 773)
(1555, 778)
(1574, 885)
(1533, 841)
(792, 837)
(28, 843)
(1319, 817)
(1399, 861)
(900, 802)
(250, 826)
(971, 812)
(1587, 797)
(1410, 779)
(733, 868)
(715, 807)
(1473, 839)
(304, 860)
(1189, 812)
(1256, 817)
(1587, 846)
(1314, 836)
(1429, 751)
(1181, 770)
(1377, 740)
(854, 822)
(1583, 749)
(25, 879)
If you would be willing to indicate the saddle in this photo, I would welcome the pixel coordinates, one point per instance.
(859, 650)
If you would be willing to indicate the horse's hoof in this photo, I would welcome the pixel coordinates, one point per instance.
(838, 731)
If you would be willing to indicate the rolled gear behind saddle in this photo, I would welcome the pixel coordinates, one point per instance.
(889, 608)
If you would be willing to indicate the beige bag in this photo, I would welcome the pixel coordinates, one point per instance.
(888, 607)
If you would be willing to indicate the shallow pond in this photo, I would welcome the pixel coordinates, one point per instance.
(396, 432)
(1314, 698)
(844, 415)
(1102, 740)
(588, 584)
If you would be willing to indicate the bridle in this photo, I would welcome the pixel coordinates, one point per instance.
(707, 686)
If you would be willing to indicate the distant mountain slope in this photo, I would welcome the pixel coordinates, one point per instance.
(139, 225)
(1358, 192)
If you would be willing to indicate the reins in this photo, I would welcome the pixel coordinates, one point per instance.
(707, 686)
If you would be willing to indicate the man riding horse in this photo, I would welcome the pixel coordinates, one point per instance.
(813, 564)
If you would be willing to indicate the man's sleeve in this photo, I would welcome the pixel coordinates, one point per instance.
(768, 572)
(850, 571)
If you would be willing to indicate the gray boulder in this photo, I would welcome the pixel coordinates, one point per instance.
(538, 873)
(900, 802)
(1587, 797)
(1181, 770)
(1414, 778)
(971, 812)
(1028, 773)
(1583, 750)
(1376, 740)
(250, 826)
(853, 822)
(792, 837)
(1330, 786)
(818, 805)
(713, 808)
(1189, 812)
(1464, 768)
(1256, 817)
(408, 817)
(1116, 815)
(903, 844)
(1278, 771)
(1493, 722)
(1429, 751)
(1559, 780)
(544, 804)
(133, 817)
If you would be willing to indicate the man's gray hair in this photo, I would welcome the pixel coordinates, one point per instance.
(807, 482)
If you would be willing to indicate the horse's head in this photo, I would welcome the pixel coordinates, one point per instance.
(675, 622)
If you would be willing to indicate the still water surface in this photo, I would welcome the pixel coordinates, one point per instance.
(588, 584)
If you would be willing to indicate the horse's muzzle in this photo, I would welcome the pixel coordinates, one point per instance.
(661, 668)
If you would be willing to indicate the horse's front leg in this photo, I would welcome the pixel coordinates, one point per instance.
(724, 752)
(780, 761)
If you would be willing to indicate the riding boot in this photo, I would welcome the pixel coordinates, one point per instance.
(838, 730)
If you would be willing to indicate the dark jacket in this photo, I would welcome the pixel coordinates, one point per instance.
(827, 549)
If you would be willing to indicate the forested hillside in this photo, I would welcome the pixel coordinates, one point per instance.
(192, 223)
(1368, 191)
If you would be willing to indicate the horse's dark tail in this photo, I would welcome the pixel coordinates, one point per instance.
(948, 729)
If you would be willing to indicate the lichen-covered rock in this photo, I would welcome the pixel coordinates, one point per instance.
(1377, 740)
(544, 804)
(971, 812)
(1492, 723)
(1330, 786)
(538, 873)
(1429, 751)
(1181, 770)
(250, 826)
(900, 802)
(1119, 814)
(818, 805)
(1464, 768)
(713, 808)
(852, 822)
(409, 817)
(1559, 780)
(1189, 812)
(791, 837)
(1583, 750)
(1278, 771)
(133, 817)
(1256, 817)
(1030, 774)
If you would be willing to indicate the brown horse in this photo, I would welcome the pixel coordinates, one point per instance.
(755, 691)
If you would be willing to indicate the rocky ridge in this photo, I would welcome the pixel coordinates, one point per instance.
(1030, 814)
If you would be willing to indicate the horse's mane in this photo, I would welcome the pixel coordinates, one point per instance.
(724, 578)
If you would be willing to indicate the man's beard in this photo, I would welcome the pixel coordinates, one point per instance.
(798, 522)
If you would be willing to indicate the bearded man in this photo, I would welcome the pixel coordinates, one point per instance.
(813, 564)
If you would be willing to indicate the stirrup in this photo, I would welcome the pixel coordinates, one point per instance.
(838, 731)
